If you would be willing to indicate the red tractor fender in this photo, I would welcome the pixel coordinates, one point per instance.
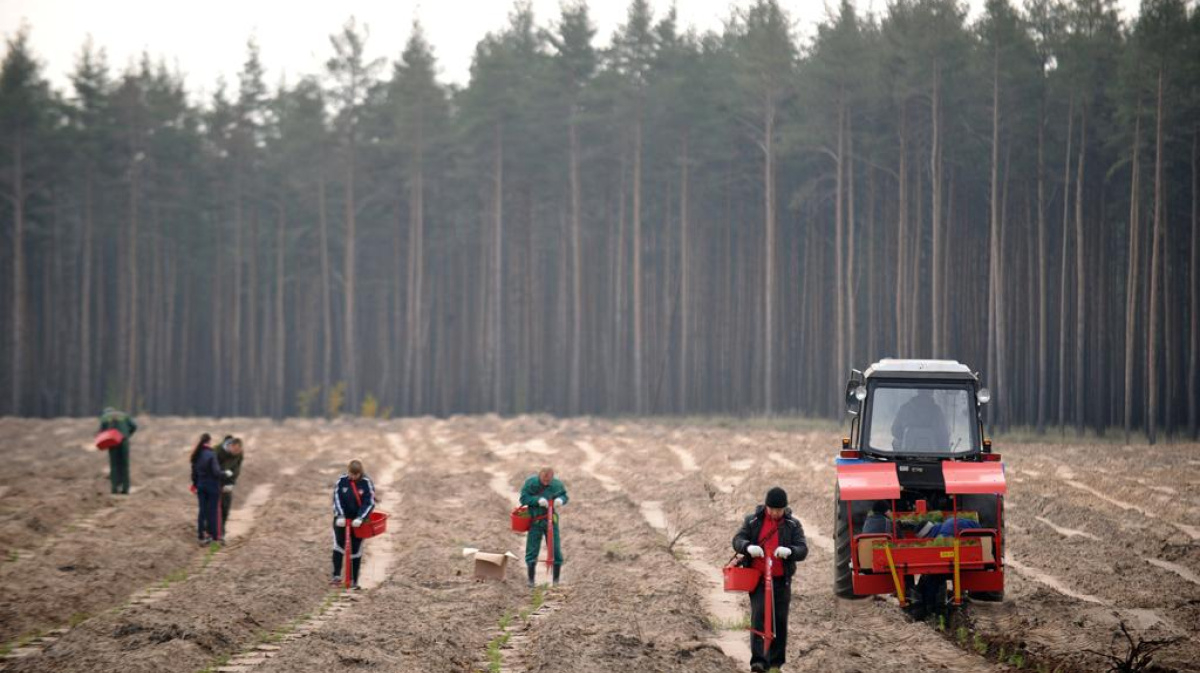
(868, 481)
(965, 478)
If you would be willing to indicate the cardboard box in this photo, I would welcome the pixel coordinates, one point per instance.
(490, 566)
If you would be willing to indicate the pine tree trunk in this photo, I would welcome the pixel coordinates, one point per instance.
(86, 387)
(619, 342)
(769, 255)
(685, 335)
(873, 291)
(839, 228)
(1155, 251)
(1062, 303)
(397, 323)
(574, 401)
(1080, 280)
(639, 383)
(935, 173)
(255, 364)
(851, 284)
(18, 299)
(131, 362)
(326, 292)
(496, 332)
(234, 333)
(993, 308)
(1194, 341)
(1042, 377)
(349, 345)
(902, 241)
(218, 329)
(280, 317)
(414, 356)
(1133, 274)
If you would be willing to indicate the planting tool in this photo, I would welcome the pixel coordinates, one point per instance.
(768, 631)
(346, 558)
(550, 538)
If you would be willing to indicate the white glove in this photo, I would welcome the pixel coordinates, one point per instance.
(228, 488)
(340, 522)
(558, 502)
(229, 474)
(755, 551)
(542, 502)
(783, 552)
(356, 523)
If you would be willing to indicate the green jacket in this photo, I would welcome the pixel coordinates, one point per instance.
(533, 490)
(119, 420)
(229, 461)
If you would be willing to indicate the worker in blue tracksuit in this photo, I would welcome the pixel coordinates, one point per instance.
(353, 500)
(206, 484)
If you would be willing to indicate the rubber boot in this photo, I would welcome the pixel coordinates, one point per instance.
(532, 573)
(557, 570)
(355, 564)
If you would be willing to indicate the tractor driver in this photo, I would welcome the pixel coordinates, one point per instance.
(920, 422)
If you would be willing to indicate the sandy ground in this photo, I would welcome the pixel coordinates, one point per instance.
(1099, 535)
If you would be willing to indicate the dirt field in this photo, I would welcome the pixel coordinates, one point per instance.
(1099, 535)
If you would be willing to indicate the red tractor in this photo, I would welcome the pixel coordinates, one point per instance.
(919, 501)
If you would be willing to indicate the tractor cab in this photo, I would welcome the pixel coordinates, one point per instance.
(919, 492)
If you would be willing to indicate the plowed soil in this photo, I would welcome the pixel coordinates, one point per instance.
(1100, 535)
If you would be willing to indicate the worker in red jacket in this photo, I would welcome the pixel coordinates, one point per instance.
(771, 531)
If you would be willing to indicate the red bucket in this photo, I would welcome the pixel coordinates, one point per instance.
(741, 579)
(521, 521)
(375, 524)
(108, 439)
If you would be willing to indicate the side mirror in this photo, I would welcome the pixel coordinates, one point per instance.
(983, 396)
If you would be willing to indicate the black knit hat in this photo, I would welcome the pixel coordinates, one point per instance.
(776, 497)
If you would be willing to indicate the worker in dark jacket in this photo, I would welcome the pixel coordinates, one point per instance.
(353, 500)
(538, 491)
(877, 520)
(229, 457)
(206, 483)
(771, 531)
(118, 456)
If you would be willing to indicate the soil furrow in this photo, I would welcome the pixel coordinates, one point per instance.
(429, 614)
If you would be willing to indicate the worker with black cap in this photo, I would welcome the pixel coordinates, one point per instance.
(771, 531)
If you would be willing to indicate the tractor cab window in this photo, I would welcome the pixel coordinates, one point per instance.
(912, 418)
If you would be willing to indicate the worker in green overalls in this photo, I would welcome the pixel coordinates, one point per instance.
(118, 456)
(538, 492)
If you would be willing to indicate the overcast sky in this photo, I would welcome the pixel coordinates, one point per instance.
(206, 40)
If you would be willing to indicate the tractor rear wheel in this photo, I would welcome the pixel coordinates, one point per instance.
(843, 580)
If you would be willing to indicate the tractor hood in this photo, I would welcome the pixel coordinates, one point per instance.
(878, 480)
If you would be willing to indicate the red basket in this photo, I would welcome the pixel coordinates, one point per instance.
(108, 439)
(521, 521)
(375, 524)
(739, 579)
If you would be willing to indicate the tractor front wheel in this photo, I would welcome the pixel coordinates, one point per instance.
(843, 570)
